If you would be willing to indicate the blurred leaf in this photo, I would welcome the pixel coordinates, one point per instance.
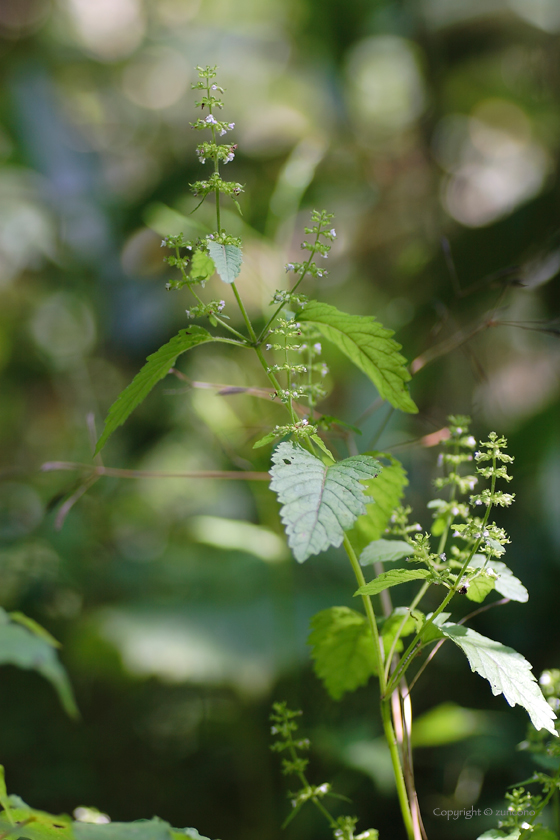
(392, 578)
(386, 490)
(227, 259)
(342, 650)
(32, 625)
(25, 649)
(156, 367)
(319, 502)
(38, 825)
(369, 346)
(385, 551)
(154, 829)
(446, 724)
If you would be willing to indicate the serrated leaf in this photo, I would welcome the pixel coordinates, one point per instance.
(479, 587)
(506, 584)
(392, 578)
(385, 551)
(507, 671)
(202, 267)
(157, 366)
(319, 503)
(227, 259)
(342, 649)
(21, 647)
(369, 346)
(386, 491)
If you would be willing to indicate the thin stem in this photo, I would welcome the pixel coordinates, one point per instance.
(405, 662)
(385, 703)
(243, 311)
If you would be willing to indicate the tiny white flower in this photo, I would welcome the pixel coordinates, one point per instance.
(211, 120)
(214, 87)
(268, 347)
(333, 233)
(222, 132)
(470, 441)
(317, 347)
(163, 243)
(231, 126)
(289, 267)
(304, 422)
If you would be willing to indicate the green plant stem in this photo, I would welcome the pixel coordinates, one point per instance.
(406, 659)
(385, 702)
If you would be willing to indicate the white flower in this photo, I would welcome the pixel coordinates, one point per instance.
(268, 347)
(214, 87)
(163, 243)
(289, 266)
(332, 232)
(470, 441)
(229, 157)
(304, 422)
(231, 126)
(211, 120)
(317, 347)
(221, 305)
(222, 132)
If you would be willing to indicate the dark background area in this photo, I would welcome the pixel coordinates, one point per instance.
(411, 121)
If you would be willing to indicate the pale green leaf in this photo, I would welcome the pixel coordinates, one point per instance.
(386, 492)
(319, 503)
(342, 649)
(385, 551)
(23, 648)
(507, 671)
(369, 346)
(392, 578)
(506, 584)
(154, 829)
(480, 586)
(36, 628)
(227, 259)
(191, 833)
(202, 267)
(157, 366)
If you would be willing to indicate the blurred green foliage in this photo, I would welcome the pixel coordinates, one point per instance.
(412, 122)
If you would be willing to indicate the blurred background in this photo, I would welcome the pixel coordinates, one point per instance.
(432, 130)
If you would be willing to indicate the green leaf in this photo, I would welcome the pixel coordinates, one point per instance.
(342, 649)
(38, 824)
(4, 799)
(446, 724)
(157, 366)
(319, 503)
(369, 346)
(154, 829)
(385, 551)
(192, 833)
(20, 647)
(202, 267)
(507, 584)
(34, 627)
(392, 578)
(507, 671)
(386, 491)
(480, 586)
(227, 259)
(271, 436)
(322, 446)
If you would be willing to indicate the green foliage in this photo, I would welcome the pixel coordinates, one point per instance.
(156, 368)
(202, 267)
(342, 650)
(506, 583)
(385, 551)
(28, 647)
(319, 503)
(480, 586)
(227, 259)
(446, 724)
(507, 671)
(369, 346)
(386, 491)
(392, 578)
